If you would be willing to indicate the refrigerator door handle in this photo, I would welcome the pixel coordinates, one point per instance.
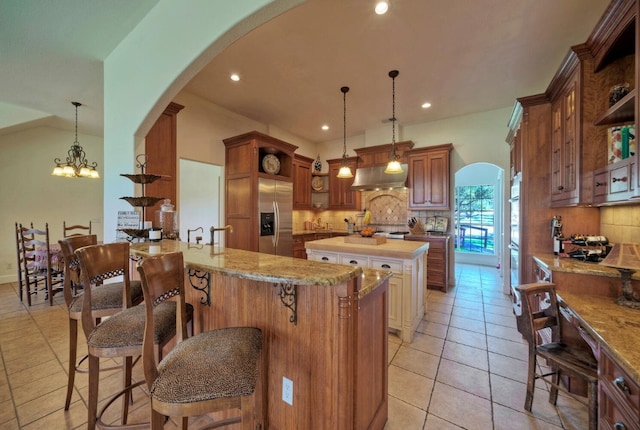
(276, 211)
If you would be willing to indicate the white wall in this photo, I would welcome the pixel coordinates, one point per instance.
(28, 192)
(153, 63)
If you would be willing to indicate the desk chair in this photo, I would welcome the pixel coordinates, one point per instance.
(75, 230)
(213, 371)
(106, 301)
(39, 263)
(540, 311)
(122, 333)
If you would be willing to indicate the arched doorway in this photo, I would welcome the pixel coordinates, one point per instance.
(478, 215)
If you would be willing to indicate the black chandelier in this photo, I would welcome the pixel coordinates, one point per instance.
(76, 165)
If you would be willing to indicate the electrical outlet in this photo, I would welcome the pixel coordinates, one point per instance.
(287, 390)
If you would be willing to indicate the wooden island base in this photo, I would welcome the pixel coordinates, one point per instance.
(332, 344)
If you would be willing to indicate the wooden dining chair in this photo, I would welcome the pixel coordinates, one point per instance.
(75, 230)
(20, 266)
(121, 334)
(41, 262)
(106, 300)
(213, 371)
(540, 312)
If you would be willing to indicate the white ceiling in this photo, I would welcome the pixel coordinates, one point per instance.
(463, 56)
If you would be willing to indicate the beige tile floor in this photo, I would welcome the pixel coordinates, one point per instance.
(466, 367)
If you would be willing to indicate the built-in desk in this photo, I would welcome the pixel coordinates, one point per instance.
(615, 334)
(324, 325)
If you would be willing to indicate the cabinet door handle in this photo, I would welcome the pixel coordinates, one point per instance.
(600, 184)
(325, 258)
(560, 187)
(353, 262)
(622, 385)
(386, 266)
(623, 179)
(619, 426)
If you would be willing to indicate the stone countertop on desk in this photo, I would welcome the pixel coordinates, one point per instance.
(616, 328)
(572, 265)
(262, 267)
(392, 248)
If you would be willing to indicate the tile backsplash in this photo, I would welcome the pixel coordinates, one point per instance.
(620, 223)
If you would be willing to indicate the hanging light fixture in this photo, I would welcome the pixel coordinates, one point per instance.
(345, 170)
(394, 167)
(76, 165)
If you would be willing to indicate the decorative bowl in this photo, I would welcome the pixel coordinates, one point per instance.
(141, 178)
(367, 232)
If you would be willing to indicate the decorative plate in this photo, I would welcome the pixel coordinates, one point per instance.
(271, 164)
(317, 183)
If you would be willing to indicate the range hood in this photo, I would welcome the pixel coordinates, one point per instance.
(374, 178)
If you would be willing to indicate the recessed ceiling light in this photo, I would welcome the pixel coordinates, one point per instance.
(426, 105)
(382, 7)
(235, 77)
(325, 127)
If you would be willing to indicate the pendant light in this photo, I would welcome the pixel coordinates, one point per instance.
(76, 165)
(394, 167)
(345, 170)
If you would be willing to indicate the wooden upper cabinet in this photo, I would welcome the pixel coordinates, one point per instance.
(577, 147)
(429, 177)
(565, 133)
(341, 196)
(379, 155)
(302, 182)
(160, 148)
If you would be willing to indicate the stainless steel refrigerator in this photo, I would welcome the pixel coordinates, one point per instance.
(275, 210)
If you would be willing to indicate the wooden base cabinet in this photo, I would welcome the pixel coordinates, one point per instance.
(437, 260)
(619, 396)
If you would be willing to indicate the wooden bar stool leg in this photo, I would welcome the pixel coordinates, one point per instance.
(126, 372)
(92, 406)
(73, 350)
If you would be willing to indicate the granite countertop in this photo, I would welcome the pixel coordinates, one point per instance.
(263, 267)
(319, 230)
(426, 236)
(393, 248)
(572, 265)
(616, 327)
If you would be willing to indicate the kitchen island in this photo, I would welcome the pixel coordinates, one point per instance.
(324, 325)
(406, 259)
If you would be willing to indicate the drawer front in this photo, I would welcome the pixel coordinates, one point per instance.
(619, 180)
(611, 416)
(354, 260)
(624, 391)
(324, 257)
(384, 264)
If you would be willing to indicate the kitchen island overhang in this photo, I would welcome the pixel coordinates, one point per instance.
(325, 328)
